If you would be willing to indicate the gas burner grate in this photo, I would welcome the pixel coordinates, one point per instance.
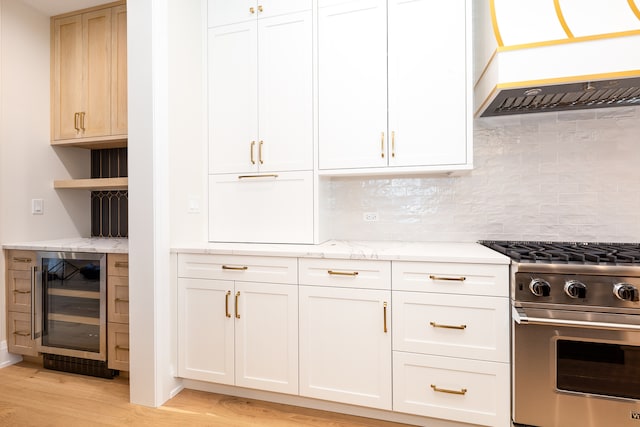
(567, 252)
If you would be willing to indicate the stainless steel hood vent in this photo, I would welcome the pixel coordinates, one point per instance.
(566, 97)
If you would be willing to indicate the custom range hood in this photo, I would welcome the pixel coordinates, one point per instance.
(555, 55)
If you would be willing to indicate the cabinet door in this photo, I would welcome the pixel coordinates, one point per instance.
(285, 93)
(352, 73)
(96, 27)
(274, 208)
(266, 336)
(119, 121)
(233, 92)
(428, 103)
(19, 290)
(67, 76)
(345, 352)
(19, 334)
(118, 346)
(224, 12)
(205, 330)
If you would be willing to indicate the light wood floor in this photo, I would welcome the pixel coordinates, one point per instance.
(32, 396)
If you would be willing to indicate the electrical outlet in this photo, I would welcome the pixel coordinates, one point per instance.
(370, 216)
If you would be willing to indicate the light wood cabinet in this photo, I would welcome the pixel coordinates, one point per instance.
(118, 311)
(385, 107)
(251, 328)
(19, 280)
(89, 86)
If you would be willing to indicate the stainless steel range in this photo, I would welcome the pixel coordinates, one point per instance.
(575, 333)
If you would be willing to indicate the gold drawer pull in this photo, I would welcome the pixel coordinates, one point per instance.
(22, 260)
(226, 304)
(231, 267)
(122, 264)
(384, 313)
(382, 144)
(252, 10)
(22, 333)
(119, 347)
(451, 279)
(271, 175)
(17, 291)
(342, 273)
(437, 325)
(122, 300)
(260, 8)
(461, 392)
(237, 311)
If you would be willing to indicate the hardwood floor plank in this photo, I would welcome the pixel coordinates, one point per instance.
(33, 396)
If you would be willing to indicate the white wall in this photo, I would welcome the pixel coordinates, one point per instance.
(551, 176)
(28, 164)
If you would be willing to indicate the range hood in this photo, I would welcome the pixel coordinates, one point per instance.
(555, 55)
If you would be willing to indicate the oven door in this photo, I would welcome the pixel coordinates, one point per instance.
(575, 369)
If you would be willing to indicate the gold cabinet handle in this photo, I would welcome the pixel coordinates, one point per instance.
(252, 10)
(260, 152)
(270, 175)
(382, 144)
(120, 347)
(121, 264)
(384, 313)
(253, 160)
(22, 260)
(76, 118)
(82, 121)
(18, 291)
(342, 273)
(226, 304)
(22, 333)
(393, 143)
(438, 325)
(260, 9)
(237, 311)
(450, 279)
(121, 300)
(232, 267)
(461, 392)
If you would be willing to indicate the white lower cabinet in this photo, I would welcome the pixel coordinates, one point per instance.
(345, 345)
(238, 333)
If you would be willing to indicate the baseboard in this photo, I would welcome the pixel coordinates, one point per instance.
(6, 358)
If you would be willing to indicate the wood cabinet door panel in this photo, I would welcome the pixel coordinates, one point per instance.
(19, 290)
(67, 76)
(118, 346)
(119, 110)
(19, 334)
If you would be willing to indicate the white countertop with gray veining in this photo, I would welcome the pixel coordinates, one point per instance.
(375, 250)
(76, 244)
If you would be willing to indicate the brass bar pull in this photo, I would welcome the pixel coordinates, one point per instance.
(82, 121)
(438, 325)
(231, 267)
(271, 175)
(342, 273)
(253, 160)
(382, 144)
(18, 291)
(393, 143)
(384, 312)
(260, 152)
(252, 10)
(120, 347)
(260, 9)
(22, 260)
(22, 333)
(237, 311)
(121, 264)
(461, 392)
(226, 304)
(121, 300)
(76, 126)
(451, 279)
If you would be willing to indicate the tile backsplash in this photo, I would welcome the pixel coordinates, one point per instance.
(552, 176)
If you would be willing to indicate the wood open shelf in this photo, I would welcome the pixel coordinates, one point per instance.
(94, 184)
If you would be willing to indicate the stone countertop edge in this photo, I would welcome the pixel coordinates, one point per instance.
(467, 252)
(79, 244)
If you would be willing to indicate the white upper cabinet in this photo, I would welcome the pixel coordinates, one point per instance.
(261, 93)
(394, 86)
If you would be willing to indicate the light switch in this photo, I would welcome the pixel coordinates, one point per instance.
(37, 206)
(193, 205)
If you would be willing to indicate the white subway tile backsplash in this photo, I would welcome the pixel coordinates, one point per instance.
(550, 176)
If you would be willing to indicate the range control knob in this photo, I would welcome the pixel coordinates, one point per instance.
(540, 287)
(575, 289)
(625, 292)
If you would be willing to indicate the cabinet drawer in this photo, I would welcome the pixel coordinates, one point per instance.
(118, 264)
(345, 273)
(19, 290)
(118, 299)
(118, 346)
(242, 268)
(451, 278)
(19, 334)
(469, 391)
(451, 325)
(20, 260)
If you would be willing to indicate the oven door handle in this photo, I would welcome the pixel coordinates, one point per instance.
(521, 318)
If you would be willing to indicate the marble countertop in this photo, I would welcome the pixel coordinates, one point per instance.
(77, 244)
(374, 250)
